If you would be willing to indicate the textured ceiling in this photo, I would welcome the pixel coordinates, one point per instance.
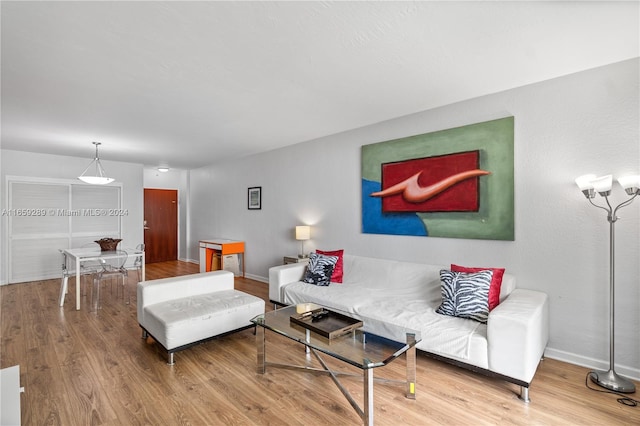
(193, 83)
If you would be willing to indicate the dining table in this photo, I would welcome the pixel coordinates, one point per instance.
(88, 254)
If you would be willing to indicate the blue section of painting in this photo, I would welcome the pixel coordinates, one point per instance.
(374, 221)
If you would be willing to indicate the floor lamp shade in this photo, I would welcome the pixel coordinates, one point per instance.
(602, 185)
(631, 184)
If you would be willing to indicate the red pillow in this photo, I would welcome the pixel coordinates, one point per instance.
(336, 276)
(496, 281)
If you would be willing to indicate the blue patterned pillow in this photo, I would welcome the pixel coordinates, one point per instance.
(465, 295)
(320, 269)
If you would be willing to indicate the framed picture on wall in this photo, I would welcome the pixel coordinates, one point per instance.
(254, 198)
(451, 183)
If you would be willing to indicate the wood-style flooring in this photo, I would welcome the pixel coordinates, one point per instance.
(88, 368)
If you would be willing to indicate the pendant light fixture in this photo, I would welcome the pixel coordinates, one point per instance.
(98, 178)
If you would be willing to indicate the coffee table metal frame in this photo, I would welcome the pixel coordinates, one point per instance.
(359, 348)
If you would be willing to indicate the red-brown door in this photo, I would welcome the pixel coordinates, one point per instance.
(161, 225)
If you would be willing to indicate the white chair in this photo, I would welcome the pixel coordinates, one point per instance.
(110, 268)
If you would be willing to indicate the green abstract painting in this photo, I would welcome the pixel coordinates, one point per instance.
(455, 183)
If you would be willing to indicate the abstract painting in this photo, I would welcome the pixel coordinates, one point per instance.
(455, 183)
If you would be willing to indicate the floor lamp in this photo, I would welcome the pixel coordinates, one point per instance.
(589, 185)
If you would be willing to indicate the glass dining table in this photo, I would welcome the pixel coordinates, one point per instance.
(78, 256)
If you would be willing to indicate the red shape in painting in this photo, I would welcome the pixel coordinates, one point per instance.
(447, 183)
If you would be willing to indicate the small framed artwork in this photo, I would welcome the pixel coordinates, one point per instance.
(254, 198)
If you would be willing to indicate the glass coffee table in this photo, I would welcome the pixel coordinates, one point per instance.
(358, 347)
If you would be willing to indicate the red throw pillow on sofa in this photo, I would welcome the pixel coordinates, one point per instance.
(336, 277)
(496, 281)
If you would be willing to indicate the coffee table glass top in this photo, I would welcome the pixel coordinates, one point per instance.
(360, 348)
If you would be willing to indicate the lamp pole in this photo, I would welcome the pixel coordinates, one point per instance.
(610, 379)
(589, 186)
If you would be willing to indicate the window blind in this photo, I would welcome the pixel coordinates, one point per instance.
(45, 216)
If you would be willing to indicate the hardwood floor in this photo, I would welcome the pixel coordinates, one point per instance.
(87, 368)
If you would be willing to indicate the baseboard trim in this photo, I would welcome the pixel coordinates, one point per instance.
(257, 278)
(571, 358)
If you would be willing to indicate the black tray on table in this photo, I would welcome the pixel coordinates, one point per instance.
(327, 323)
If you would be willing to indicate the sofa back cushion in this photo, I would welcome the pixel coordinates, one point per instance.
(368, 279)
(403, 277)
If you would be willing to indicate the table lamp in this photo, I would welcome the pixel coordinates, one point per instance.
(303, 232)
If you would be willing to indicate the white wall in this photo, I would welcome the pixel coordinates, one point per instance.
(179, 180)
(586, 122)
(18, 163)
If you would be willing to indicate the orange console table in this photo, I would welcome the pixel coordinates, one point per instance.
(215, 249)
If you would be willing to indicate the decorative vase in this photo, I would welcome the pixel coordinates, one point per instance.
(108, 244)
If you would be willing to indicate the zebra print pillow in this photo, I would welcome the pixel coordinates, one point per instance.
(465, 295)
(320, 269)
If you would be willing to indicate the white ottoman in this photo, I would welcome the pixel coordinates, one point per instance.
(180, 312)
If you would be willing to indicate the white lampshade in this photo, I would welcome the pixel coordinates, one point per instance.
(584, 182)
(96, 180)
(303, 232)
(630, 182)
(603, 184)
(99, 176)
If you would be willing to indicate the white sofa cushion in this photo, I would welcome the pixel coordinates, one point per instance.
(182, 321)
(440, 334)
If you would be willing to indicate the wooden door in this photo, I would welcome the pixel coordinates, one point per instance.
(161, 225)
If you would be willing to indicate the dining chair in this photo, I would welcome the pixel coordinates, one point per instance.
(86, 268)
(110, 268)
(138, 261)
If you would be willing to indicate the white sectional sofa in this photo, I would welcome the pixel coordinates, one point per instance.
(179, 312)
(510, 345)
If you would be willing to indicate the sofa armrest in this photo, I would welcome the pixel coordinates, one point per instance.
(280, 276)
(517, 334)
